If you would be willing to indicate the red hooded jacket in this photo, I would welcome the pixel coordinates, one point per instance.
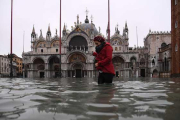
(104, 59)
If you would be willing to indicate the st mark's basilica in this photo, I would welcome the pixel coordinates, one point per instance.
(76, 58)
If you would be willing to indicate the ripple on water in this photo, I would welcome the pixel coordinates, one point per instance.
(101, 105)
(149, 95)
(80, 92)
(83, 99)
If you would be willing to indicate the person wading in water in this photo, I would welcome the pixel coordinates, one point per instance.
(103, 60)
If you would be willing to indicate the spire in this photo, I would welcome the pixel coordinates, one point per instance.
(41, 32)
(64, 30)
(33, 31)
(116, 29)
(64, 27)
(77, 19)
(33, 34)
(126, 27)
(56, 32)
(48, 34)
(49, 28)
(91, 19)
(86, 20)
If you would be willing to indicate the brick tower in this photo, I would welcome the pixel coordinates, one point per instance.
(175, 37)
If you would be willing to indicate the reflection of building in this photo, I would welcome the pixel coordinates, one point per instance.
(175, 27)
(77, 47)
(18, 62)
(4, 66)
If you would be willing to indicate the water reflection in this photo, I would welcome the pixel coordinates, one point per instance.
(83, 99)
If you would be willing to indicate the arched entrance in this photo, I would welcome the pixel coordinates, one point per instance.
(54, 66)
(77, 68)
(39, 66)
(133, 66)
(77, 61)
(142, 65)
(155, 74)
(78, 43)
(118, 63)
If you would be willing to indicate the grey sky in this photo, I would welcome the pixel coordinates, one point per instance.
(145, 14)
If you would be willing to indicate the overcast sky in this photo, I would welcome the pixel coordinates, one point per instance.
(145, 14)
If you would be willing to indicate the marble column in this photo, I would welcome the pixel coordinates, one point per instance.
(89, 74)
(46, 70)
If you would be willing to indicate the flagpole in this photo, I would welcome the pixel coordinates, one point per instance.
(11, 71)
(137, 36)
(108, 21)
(23, 42)
(60, 44)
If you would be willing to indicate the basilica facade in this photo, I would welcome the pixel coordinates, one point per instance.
(76, 53)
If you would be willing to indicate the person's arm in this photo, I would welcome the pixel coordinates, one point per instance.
(94, 54)
(108, 58)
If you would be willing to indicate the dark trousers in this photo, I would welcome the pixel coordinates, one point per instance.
(105, 78)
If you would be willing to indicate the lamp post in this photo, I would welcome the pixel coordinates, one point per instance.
(11, 72)
(60, 44)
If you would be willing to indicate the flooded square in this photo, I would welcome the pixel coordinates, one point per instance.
(84, 99)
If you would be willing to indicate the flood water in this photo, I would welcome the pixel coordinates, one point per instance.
(83, 99)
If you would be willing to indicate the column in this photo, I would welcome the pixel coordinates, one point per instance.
(137, 73)
(46, 70)
(89, 74)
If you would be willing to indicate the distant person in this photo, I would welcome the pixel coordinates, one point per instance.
(103, 60)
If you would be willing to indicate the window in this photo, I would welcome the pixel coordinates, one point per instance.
(176, 48)
(115, 48)
(120, 48)
(176, 24)
(163, 45)
(42, 50)
(153, 62)
(175, 2)
(56, 50)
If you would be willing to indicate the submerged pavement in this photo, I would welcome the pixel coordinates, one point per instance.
(83, 99)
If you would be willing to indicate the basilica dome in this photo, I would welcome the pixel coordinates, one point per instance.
(88, 27)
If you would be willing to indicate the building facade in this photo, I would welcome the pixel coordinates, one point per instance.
(175, 43)
(165, 60)
(4, 66)
(19, 64)
(152, 42)
(77, 46)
